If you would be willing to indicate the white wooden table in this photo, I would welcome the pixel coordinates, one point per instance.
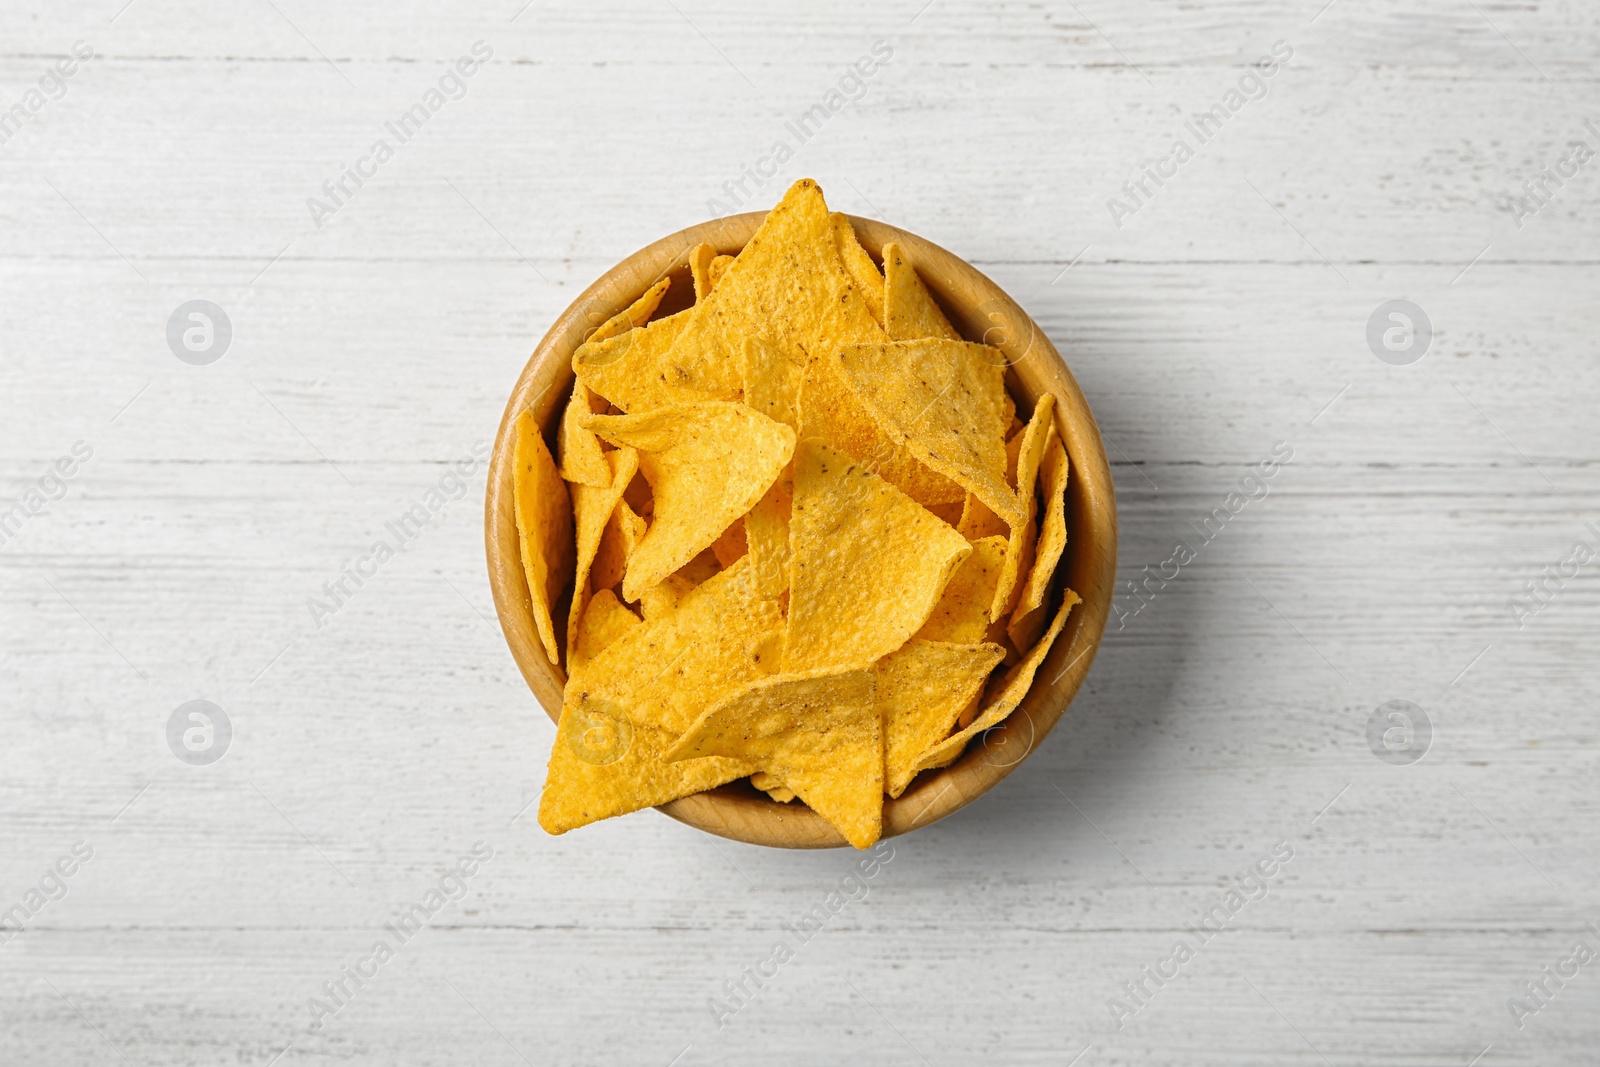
(1228, 718)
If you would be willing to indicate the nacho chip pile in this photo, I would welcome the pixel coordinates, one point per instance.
(809, 541)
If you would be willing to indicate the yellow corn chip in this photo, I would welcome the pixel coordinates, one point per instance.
(732, 544)
(602, 764)
(707, 464)
(950, 513)
(787, 285)
(544, 525)
(605, 621)
(921, 689)
(717, 268)
(591, 512)
(909, 311)
(962, 614)
(1013, 424)
(818, 731)
(830, 409)
(863, 272)
(581, 458)
(771, 382)
(1027, 618)
(943, 401)
(767, 534)
(772, 786)
(867, 563)
(623, 533)
(977, 521)
(636, 314)
(631, 370)
(700, 258)
(663, 597)
(1019, 552)
(1012, 687)
(722, 634)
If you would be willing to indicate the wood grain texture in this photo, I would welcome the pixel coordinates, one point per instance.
(1230, 714)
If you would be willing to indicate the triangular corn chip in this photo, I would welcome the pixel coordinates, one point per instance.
(722, 634)
(944, 402)
(732, 544)
(631, 369)
(1019, 552)
(771, 382)
(700, 257)
(707, 464)
(787, 285)
(771, 785)
(634, 315)
(909, 312)
(1027, 618)
(818, 731)
(578, 451)
(867, 563)
(1007, 694)
(950, 513)
(602, 764)
(717, 268)
(544, 525)
(863, 272)
(591, 513)
(978, 522)
(605, 621)
(922, 688)
(830, 410)
(962, 614)
(766, 530)
(663, 597)
(622, 535)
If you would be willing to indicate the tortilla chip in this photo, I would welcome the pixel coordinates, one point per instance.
(1007, 694)
(1013, 424)
(603, 765)
(707, 464)
(1019, 552)
(717, 268)
(622, 535)
(818, 731)
(631, 370)
(771, 785)
(922, 688)
(544, 525)
(943, 402)
(950, 513)
(581, 457)
(721, 635)
(591, 511)
(771, 382)
(732, 544)
(962, 614)
(909, 311)
(867, 563)
(787, 285)
(700, 258)
(663, 597)
(830, 409)
(978, 522)
(863, 272)
(605, 621)
(1027, 618)
(634, 315)
(766, 530)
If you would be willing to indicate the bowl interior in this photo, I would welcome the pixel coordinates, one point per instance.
(981, 311)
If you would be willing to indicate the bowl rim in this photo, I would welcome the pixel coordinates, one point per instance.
(980, 310)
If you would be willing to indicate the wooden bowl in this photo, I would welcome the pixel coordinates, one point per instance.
(981, 311)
